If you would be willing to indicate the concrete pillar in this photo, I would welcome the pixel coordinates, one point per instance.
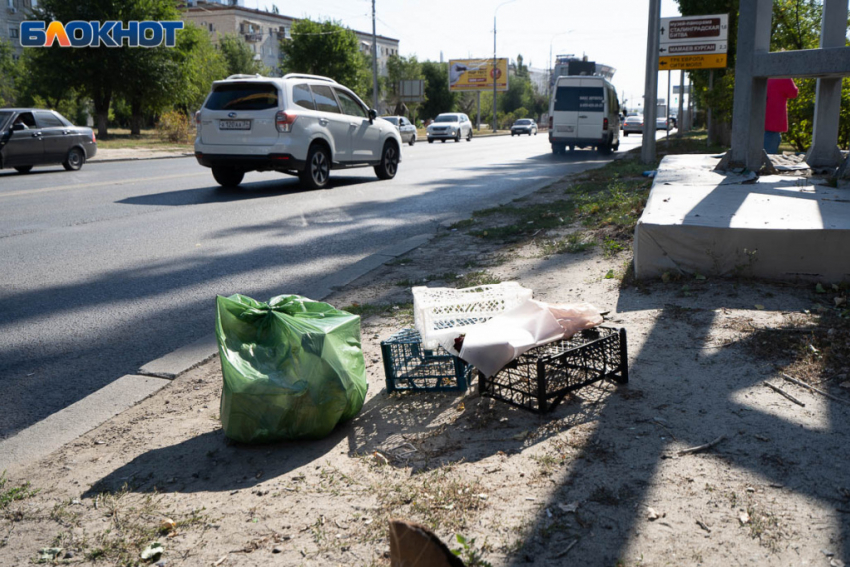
(824, 151)
(750, 93)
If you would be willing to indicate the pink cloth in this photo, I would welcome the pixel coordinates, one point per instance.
(778, 93)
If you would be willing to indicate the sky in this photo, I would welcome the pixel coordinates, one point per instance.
(612, 32)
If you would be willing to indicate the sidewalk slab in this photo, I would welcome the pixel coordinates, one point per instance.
(774, 227)
(77, 419)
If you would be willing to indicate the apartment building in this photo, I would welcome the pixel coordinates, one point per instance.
(12, 13)
(264, 30)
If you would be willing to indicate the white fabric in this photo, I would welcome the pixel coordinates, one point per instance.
(492, 345)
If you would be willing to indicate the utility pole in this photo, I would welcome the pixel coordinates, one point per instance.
(374, 60)
(494, 61)
(494, 69)
(650, 92)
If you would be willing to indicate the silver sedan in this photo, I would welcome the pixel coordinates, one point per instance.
(405, 128)
(633, 125)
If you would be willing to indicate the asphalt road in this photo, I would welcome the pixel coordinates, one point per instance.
(115, 265)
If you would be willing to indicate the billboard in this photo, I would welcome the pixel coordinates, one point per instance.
(477, 75)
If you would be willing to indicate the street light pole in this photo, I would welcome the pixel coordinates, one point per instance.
(494, 69)
(374, 60)
(494, 61)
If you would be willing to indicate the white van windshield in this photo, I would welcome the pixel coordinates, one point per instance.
(571, 99)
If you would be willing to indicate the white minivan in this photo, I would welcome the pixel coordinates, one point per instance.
(584, 112)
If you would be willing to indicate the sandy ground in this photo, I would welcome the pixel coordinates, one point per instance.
(599, 481)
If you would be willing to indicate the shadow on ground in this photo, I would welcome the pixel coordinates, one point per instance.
(686, 400)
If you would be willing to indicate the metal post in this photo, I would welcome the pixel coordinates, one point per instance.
(479, 111)
(692, 105)
(494, 70)
(668, 105)
(374, 59)
(682, 123)
(708, 109)
(824, 151)
(650, 94)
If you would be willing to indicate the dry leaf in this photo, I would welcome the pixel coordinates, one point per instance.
(167, 525)
(380, 459)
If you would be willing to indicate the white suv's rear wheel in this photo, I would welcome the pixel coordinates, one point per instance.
(228, 176)
(317, 172)
(389, 162)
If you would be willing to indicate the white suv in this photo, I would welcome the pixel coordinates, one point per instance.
(450, 126)
(300, 124)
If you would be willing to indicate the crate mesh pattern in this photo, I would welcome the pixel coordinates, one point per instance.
(542, 377)
(410, 366)
(439, 312)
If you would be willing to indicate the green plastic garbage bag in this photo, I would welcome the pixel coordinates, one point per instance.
(293, 368)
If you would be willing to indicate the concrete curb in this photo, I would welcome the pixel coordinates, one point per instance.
(77, 419)
(112, 160)
(184, 358)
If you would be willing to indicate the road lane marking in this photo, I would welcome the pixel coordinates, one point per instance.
(100, 184)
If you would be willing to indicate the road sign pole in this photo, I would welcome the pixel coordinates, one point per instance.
(668, 108)
(708, 108)
(479, 111)
(650, 94)
(683, 127)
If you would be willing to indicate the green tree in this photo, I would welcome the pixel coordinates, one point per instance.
(240, 57)
(10, 74)
(399, 69)
(200, 63)
(150, 85)
(99, 73)
(521, 69)
(521, 94)
(438, 97)
(328, 49)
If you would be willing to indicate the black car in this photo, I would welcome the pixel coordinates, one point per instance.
(32, 136)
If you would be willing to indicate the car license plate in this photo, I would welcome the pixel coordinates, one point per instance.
(234, 124)
(565, 128)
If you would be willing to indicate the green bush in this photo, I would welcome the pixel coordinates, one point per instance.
(174, 127)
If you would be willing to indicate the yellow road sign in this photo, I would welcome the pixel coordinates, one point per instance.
(690, 62)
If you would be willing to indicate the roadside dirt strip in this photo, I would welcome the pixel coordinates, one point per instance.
(694, 462)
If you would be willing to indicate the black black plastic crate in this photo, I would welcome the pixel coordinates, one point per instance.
(410, 367)
(539, 379)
